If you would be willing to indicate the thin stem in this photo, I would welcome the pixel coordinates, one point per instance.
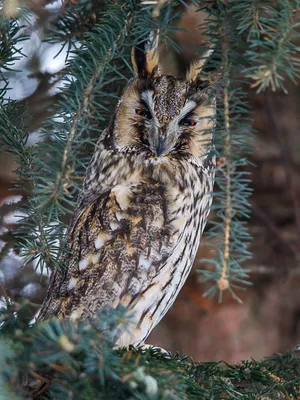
(223, 282)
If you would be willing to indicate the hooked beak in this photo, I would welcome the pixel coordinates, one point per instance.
(160, 147)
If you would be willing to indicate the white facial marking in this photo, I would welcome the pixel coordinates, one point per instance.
(187, 108)
(147, 96)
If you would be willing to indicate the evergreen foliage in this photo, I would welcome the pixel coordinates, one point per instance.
(232, 136)
(254, 44)
(59, 360)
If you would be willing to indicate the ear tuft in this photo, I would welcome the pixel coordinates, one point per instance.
(197, 66)
(145, 57)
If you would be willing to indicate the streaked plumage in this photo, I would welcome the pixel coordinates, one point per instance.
(143, 205)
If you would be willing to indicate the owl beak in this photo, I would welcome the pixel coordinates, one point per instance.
(160, 147)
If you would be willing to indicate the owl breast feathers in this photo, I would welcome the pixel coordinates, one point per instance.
(144, 203)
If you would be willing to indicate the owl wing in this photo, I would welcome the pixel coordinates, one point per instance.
(118, 245)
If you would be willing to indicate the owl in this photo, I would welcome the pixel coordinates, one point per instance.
(143, 205)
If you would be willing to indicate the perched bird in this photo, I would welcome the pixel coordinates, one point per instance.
(144, 202)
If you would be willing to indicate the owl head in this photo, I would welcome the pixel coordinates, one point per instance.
(161, 116)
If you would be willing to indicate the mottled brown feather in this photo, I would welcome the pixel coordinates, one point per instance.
(142, 208)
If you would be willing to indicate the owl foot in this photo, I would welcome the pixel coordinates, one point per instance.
(144, 347)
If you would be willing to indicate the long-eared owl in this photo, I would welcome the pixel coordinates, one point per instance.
(144, 202)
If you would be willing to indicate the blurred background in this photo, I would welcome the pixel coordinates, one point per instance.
(268, 321)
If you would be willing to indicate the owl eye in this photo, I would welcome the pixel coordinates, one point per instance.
(143, 113)
(189, 122)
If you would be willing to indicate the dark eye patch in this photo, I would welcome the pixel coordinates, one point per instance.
(142, 134)
(143, 111)
(188, 120)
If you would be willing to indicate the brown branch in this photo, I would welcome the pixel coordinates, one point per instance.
(223, 282)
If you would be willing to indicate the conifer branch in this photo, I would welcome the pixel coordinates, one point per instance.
(230, 202)
(59, 162)
(273, 52)
(77, 360)
(83, 107)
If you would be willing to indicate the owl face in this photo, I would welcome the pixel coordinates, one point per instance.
(163, 117)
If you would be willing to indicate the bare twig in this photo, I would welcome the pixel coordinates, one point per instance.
(223, 282)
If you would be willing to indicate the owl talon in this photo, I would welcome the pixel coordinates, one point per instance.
(144, 347)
